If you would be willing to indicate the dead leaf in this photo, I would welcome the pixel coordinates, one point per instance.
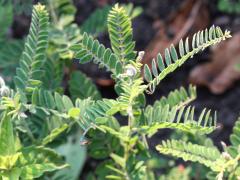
(104, 82)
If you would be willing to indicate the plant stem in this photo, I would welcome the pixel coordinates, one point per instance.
(126, 155)
(130, 118)
(127, 147)
(53, 13)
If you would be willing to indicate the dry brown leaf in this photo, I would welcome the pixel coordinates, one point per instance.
(221, 73)
(104, 82)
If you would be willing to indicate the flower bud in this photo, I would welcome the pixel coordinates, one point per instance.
(131, 71)
(4, 91)
(23, 115)
(223, 145)
(140, 55)
(226, 156)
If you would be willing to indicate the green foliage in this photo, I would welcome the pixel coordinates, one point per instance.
(235, 136)
(96, 112)
(159, 117)
(22, 6)
(128, 97)
(10, 52)
(75, 155)
(178, 98)
(191, 152)
(54, 103)
(62, 107)
(62, 39)
(31, 162)
(63, 33)
(62, 7)
(171, 112)
(26, 163)
(54, 133)
(31, 61)
(177, 173)
(37, 117)
(80, 86)
(97, 21)
(229, 6)
(132, 11)
(104, 150)
(62, 12)
(6, 11)
(37, 160)
(162, 67)
(120, 31)
(52, 73)
(225, 164)
(7, 146)
(234, 149)
(90, 49)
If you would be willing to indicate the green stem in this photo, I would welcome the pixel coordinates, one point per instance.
(126, 156)
(127, 147)
(53, 13)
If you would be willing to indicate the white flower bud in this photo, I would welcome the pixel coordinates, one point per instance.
(131, 71)
(223, 145)
(140, 55)
(23, 115)
(4, 91)
(226, 156)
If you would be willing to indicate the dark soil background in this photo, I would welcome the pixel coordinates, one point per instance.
(227, 105)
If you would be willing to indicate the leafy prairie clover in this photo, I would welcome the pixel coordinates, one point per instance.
(168, 112)
(34, 114)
